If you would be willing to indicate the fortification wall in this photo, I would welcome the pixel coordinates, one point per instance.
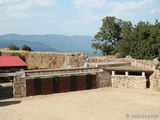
(49, 60)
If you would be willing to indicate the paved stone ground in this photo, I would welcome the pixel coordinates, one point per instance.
(97, 104)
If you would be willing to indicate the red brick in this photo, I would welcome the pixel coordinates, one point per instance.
(81, 82)
(64, 84)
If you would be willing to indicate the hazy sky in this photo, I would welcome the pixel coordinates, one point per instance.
(71, 17)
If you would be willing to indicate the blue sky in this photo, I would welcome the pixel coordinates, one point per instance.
(71, 17)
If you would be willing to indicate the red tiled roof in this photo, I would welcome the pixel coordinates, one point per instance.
(11, 61)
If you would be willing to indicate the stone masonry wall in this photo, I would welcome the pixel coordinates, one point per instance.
(153, 78)
(148, 64)
(49, 60)
(121, 81)
(107, 59)
(52, 60)
(19, 87)
(104, 79)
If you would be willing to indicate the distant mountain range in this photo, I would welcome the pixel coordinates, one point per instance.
(53, 43)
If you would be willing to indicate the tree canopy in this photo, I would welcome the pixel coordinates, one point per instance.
(27, 48)
(141, 41)
(13, 47)
(24, 47)
(110, 33)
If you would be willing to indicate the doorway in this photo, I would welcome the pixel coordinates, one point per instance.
(6, 87)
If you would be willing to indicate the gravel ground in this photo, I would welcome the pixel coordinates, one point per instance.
(97, 104)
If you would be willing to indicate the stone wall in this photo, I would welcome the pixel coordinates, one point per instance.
(24, 81)
(49, 60)
(153, 65)
(19, 87)
(53, 60)
(104, 79)
(154, 78)
(121, 81)
(107, 59)
(148, 64)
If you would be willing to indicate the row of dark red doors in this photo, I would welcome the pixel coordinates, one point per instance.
(43, 86)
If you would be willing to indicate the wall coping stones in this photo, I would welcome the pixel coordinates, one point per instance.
(60, 69)
(57, 72)
(60, 75)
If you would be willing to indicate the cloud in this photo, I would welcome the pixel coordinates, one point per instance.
(87, 20)
(24, 9)
(19, 7)
(131, 5)
(21, 15)
(155, 11)
(89, 3)
(8, 1)
(132, 10)
(49, 21)
(42, 2)
(76, 21)
(85, 6)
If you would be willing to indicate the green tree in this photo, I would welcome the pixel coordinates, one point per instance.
(110, 33)
(13, 47)
(27, 48)
(141, 41)
(124, 45)
(140, 47)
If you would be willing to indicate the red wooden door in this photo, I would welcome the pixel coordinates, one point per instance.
(29, 87)
(64, 84)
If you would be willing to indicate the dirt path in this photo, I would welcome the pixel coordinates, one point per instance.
(98, 104)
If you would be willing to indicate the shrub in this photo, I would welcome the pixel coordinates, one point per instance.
(27, 48)
(13, 47)
(19, 55)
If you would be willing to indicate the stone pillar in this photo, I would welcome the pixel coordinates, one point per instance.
(104, 79)
(143, 74)
(126, 73)
(113, 72)
(19, 87)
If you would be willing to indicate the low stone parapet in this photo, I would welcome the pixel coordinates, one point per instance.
(121, 81)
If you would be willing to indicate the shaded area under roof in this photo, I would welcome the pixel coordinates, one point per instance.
(128, 68)
(11, 61)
